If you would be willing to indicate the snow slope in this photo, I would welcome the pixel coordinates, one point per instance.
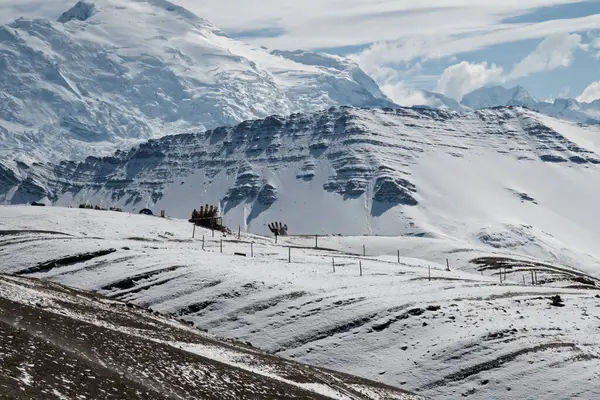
(505, 178)
(109, 73)
(567, 109)
(461, 333)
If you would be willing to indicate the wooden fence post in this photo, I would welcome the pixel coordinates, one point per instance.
(398, 256)
(360, 267)
(447, 265)
(532, 281)
(221, 245)
(251, 249)
(239, 232)
(316, 241)
(290, 254)
(333, 263)
(429, 268)
(202, 242)
(364, 251)
(194, 231)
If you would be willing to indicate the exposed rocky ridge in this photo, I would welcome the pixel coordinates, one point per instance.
(353, 153)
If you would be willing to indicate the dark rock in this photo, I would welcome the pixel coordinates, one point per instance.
(395, 191)
(552, 158)
(556, 301)
(416, 311)
(267, 195)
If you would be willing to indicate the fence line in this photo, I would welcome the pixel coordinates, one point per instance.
(333, 262)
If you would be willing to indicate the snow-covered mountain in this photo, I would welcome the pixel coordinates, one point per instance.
(567, 109)
(497, 96)
(501, 176)
(112, 72)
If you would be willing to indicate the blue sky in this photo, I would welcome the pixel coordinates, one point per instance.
(551, 47)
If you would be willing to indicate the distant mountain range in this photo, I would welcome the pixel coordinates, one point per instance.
(567, 109)
(499, 96)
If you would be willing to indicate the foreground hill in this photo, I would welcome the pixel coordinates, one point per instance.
(60, 343)
(460, 333)
(113, 72)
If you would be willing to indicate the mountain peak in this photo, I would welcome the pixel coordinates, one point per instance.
(85, 9)
(495, 96)
(81, 11)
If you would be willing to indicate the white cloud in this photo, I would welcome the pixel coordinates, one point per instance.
(392, 82)
(591, 93)
(556, 51)
(596, 46)
(332, 23)
(404, 96)
(462, 78)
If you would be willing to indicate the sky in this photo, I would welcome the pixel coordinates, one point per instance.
(551, 47)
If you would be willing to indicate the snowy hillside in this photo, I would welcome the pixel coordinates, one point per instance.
(112, 72)
(93, 340)
(460, 333)
(567, 109)
(503, 177)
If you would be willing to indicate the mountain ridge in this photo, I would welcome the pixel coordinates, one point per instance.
(499, 96)
(408, 171)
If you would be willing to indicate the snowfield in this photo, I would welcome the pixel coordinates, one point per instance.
(406, 321)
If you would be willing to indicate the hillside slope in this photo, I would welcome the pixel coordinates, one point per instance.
(107, 350)
(109, 73)
(481, 330)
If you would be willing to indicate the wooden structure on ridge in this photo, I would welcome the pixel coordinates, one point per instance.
(278, 229)
(208, 217)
